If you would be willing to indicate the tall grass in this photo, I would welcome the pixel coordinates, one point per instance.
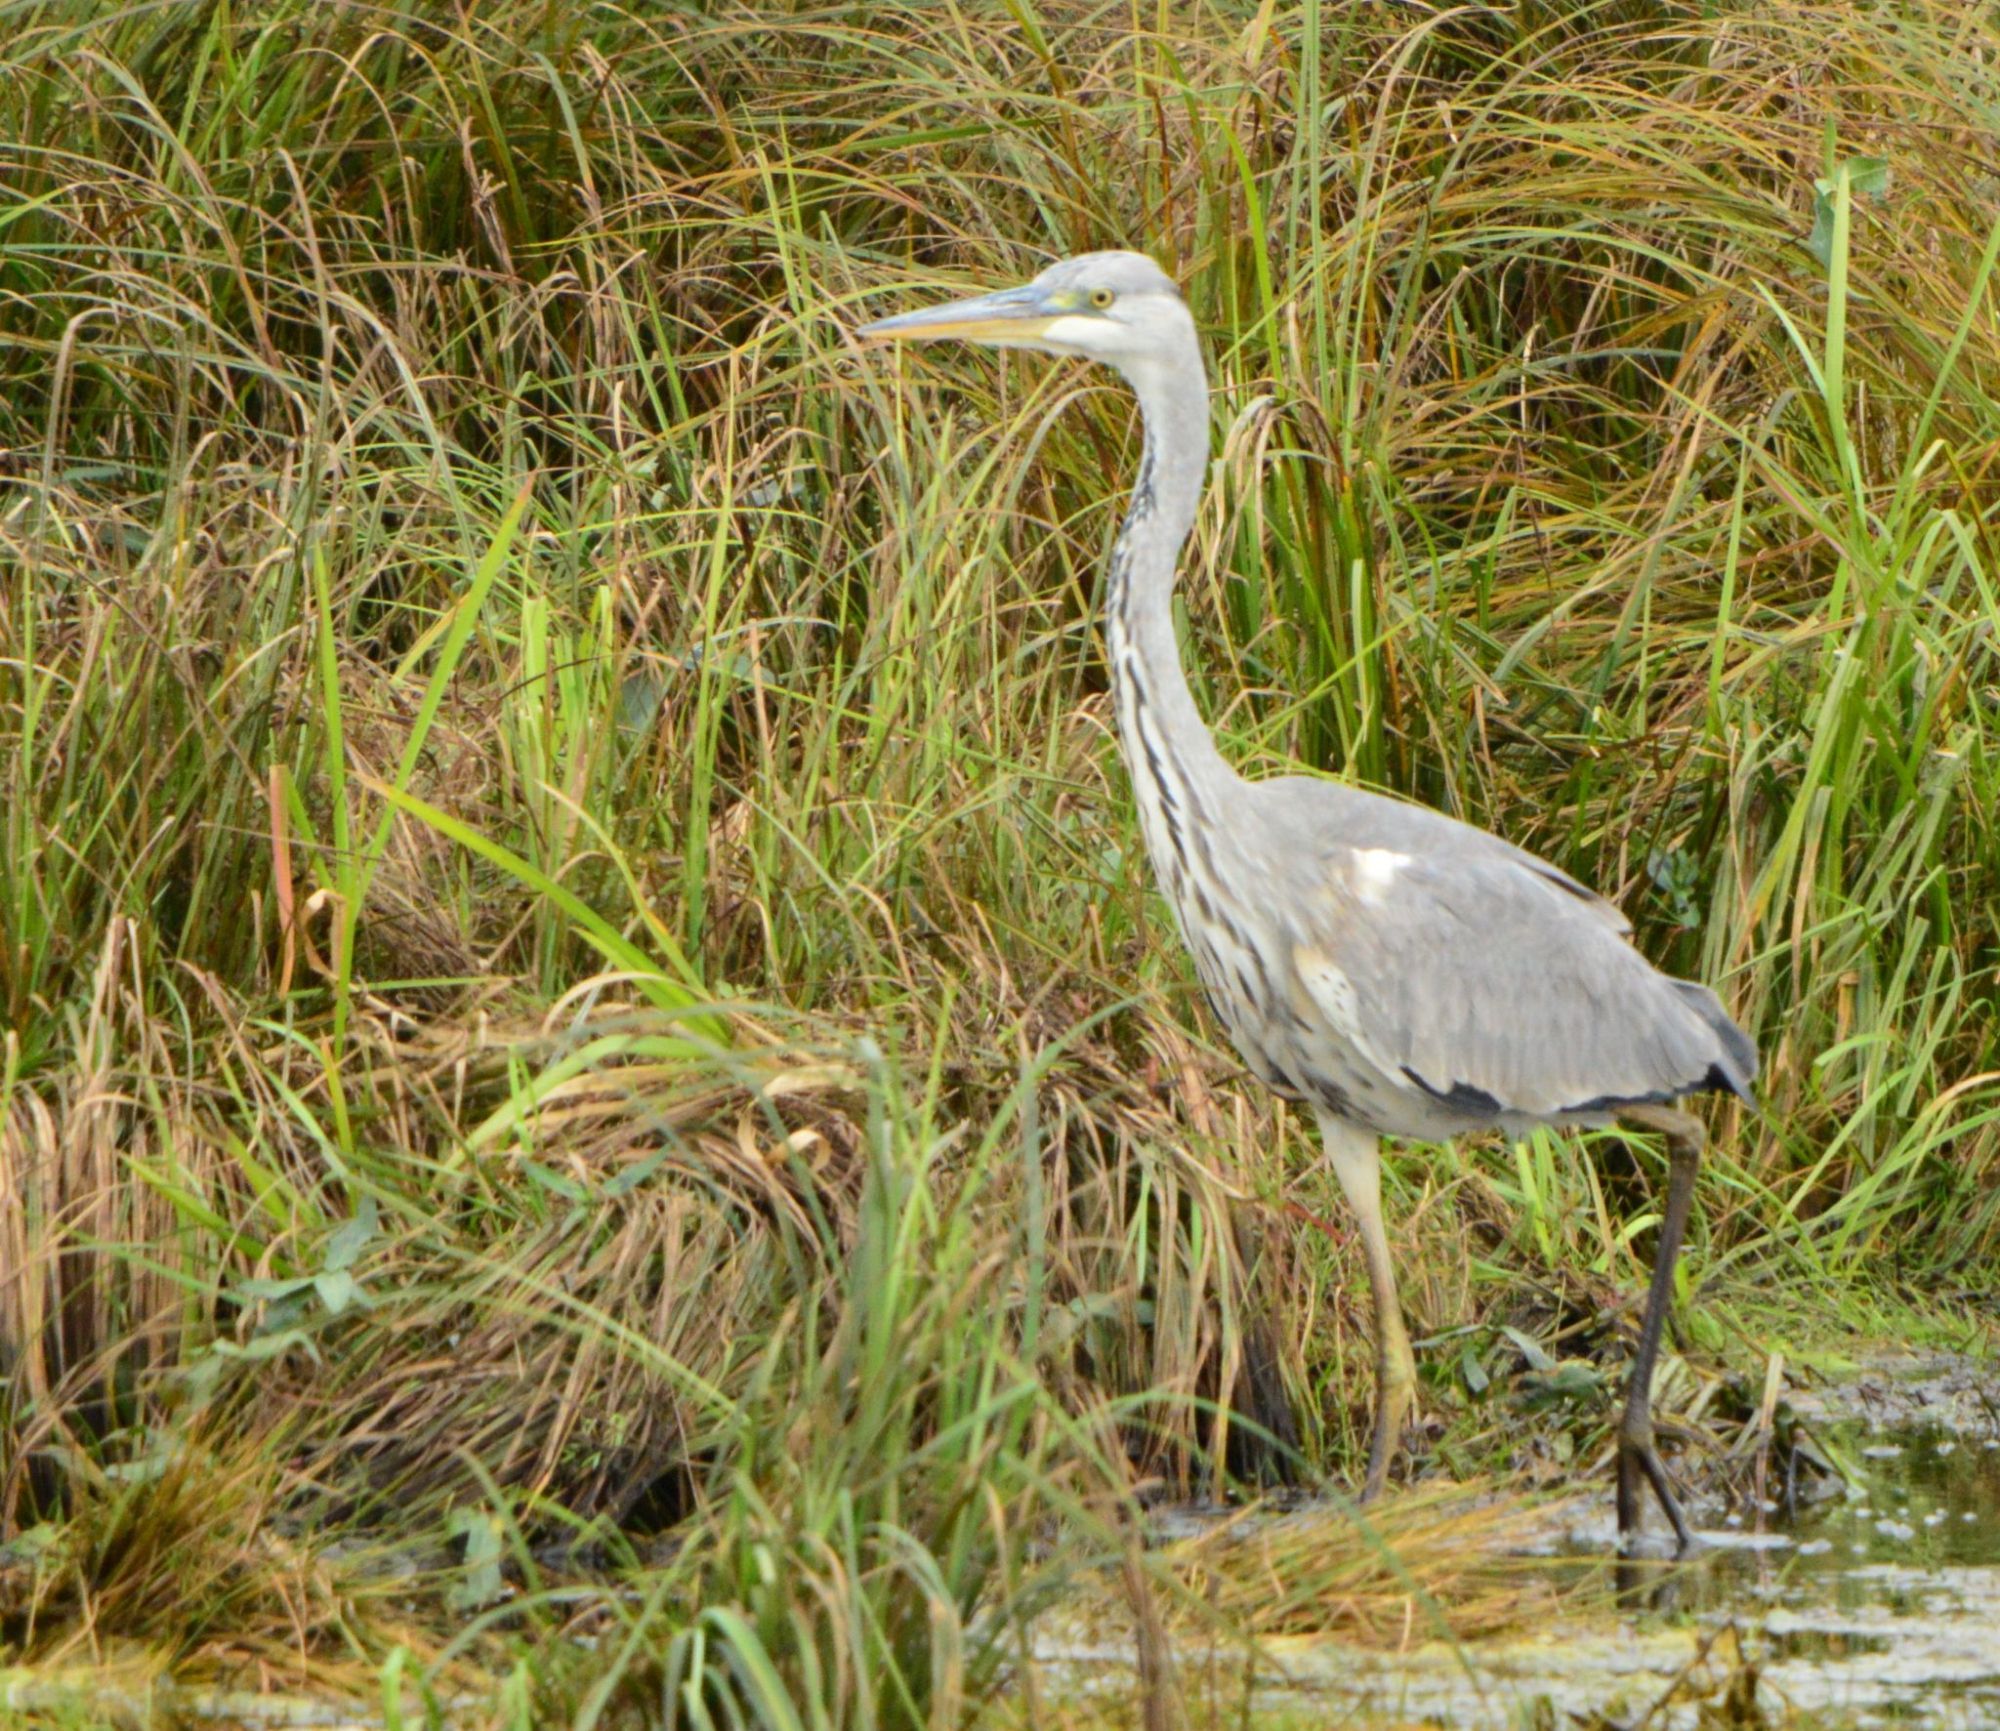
(575, 958)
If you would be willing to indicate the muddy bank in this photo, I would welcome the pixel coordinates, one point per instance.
(1873, 1602)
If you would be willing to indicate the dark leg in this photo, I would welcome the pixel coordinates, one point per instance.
(1637, 1455)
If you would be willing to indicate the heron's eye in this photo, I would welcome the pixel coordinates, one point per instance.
(1101, 298)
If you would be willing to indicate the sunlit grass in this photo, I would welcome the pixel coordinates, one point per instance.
(575, 961)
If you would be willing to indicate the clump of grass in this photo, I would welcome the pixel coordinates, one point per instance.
(1438, 1562)
(173, 1547)
(545, 808)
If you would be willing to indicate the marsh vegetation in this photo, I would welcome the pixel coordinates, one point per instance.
(595, 1121)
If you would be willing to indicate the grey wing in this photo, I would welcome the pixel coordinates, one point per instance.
(1497, 986)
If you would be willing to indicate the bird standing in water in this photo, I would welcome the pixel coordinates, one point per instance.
(1401, 973)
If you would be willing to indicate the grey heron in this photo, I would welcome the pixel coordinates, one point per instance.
(1399, 972)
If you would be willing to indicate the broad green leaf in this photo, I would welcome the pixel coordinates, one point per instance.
(1865, 174)
(350, 1238)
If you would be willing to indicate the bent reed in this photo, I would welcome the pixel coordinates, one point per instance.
(582, 1053)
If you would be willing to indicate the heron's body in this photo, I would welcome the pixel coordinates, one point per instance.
(1400, 972)
(1335, 967)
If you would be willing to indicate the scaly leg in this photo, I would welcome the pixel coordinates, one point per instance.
(1357, 1162)
(1637, 1454)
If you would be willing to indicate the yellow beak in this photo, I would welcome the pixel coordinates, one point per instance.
(1016, 315)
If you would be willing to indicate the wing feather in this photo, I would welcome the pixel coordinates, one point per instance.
(1497, 984)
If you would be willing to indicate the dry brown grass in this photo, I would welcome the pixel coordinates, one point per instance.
(776, 914)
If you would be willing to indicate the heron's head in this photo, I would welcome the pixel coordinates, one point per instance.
(1115, 307)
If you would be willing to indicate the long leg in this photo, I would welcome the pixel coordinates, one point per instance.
(1637, 1454)
(1357, 1162)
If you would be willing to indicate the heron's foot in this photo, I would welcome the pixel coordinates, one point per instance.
(1639, 1464)
(1409, 1442)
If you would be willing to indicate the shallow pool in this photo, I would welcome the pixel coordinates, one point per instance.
(1873, 1603)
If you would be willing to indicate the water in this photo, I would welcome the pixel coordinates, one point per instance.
(1876, 1606)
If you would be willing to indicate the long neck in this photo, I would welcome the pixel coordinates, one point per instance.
(1178, 776)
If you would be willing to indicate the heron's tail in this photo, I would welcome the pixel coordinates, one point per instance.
(1738, 1062)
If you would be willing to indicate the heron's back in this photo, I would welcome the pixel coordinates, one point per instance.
(1421, 978)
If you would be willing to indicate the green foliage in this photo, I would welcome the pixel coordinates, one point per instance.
(567, 907)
